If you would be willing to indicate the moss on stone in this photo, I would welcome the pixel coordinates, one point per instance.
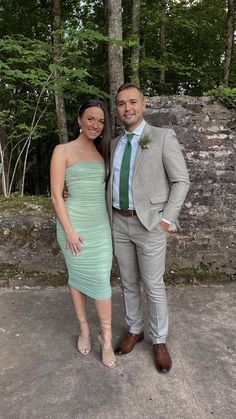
(30, 236)
(28, 205)
(196, 275)
(13, 276)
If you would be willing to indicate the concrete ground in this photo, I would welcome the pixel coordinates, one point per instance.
(43, 375)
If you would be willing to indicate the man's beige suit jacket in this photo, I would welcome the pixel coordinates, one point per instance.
(160, 179)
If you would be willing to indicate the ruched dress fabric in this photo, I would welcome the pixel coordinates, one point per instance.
(89, 271)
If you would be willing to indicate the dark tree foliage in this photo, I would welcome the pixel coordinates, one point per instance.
(189, 60)
(195, 41)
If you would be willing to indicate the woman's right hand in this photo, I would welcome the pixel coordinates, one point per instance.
(73, 242)
(65, 194)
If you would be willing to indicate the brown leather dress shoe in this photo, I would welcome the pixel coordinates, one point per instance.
(127, 344)
(162, 357)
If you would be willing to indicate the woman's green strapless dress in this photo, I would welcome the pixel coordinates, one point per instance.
(89, 271)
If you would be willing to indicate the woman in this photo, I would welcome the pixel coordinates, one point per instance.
(83, 228)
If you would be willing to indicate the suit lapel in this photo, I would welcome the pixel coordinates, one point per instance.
(140, 153)
(114, 144)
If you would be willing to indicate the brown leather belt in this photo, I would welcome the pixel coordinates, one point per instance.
(128, 213)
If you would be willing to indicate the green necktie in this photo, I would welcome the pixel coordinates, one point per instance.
(124, 174)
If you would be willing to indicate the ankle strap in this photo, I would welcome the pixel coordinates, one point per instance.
(105, 324)
(82, 318)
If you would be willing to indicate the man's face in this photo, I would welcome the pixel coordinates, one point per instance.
(130, 106)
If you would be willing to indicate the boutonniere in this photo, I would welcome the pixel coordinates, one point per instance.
(145, 141)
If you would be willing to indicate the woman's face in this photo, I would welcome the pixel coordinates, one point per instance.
(92, 122)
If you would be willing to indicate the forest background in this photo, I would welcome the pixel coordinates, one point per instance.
(55, 54)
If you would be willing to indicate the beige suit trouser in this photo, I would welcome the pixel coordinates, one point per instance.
(141, 255)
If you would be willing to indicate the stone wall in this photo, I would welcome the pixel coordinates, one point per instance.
(206, 132)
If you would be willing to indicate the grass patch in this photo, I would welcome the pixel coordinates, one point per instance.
(196, 275)
(13, 276)
(26, 205)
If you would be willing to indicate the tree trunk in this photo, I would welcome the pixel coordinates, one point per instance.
(4, 154)
(115, 52)
(229, 42)
(136, 37)
(19, 171)
(4, 184)
(162, 44)
(59, 98)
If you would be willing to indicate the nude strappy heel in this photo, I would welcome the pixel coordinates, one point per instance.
(84, 343)
(108, 356)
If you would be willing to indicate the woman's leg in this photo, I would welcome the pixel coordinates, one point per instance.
(104, 310)
(79, 302)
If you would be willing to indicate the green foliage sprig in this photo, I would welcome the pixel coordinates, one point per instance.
(145, 141)
(225, 94)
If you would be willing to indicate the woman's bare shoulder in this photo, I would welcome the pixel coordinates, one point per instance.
(61, 147)
(60, 153)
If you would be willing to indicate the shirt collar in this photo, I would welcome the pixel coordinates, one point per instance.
(138, 130)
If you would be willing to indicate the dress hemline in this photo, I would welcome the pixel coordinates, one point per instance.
(88, 294)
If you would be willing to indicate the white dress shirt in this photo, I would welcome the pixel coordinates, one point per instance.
(117, 164)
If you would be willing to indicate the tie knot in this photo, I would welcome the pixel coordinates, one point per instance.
(129, 137)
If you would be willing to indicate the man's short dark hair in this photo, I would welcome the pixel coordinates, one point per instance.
(126, 86)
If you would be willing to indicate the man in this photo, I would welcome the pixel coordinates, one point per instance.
(148, 184)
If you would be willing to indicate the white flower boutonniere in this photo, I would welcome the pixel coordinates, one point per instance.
(145, 141)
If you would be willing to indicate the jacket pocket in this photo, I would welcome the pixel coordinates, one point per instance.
(158, 199)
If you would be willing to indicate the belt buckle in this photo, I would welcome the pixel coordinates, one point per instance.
(131, 213)
(125, 213)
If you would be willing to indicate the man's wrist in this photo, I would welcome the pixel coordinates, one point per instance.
(164, 225)
(166, 221)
